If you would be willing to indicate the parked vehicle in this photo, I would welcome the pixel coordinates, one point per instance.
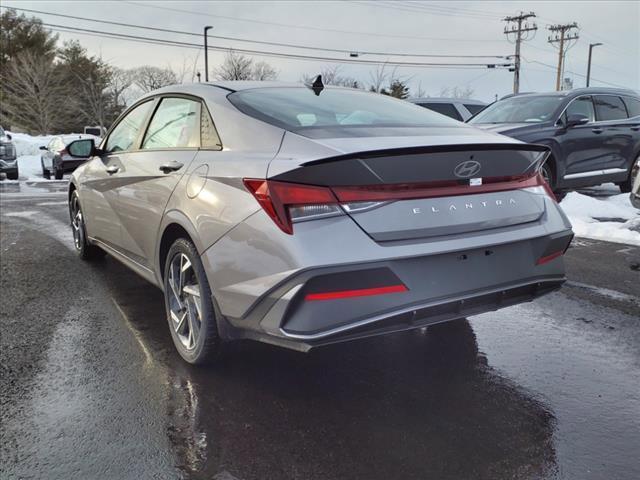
(461, 109)
(96, 131)
(55, 158)
(593, 133)
(635, 191)
(8, 158)
(305, 217)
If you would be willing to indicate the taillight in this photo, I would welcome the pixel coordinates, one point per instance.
(287, 203)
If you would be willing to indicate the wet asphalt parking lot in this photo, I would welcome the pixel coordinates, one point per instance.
(91, 386)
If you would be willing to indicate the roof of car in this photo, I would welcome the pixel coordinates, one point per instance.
(469, 101)
(577, 91)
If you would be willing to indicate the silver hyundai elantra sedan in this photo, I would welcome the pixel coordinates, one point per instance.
(305, 216)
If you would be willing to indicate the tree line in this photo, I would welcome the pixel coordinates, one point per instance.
(50, 88)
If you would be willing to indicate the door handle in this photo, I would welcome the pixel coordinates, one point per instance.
(171, 167)
(111, 169)
(635, 128)
(597, 130)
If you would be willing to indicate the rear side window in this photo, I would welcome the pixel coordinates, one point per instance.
(208, 135)
(447, 109)
(633, 106)
(580, 106)
(126, 132)
(609, 107)
(175, 124)
(473, 109)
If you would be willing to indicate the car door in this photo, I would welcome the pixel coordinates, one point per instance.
(101, 178)
(582, 148)
(613, 126)
(49, 153)
(149, 175)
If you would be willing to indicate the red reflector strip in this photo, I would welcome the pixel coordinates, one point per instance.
(548, 258)
(362, 292)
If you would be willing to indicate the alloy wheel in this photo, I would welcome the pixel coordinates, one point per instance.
(77, 223)
(185, 307)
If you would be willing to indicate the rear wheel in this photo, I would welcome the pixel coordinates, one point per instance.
(58, 174)
(627, 185)
(189, 304)
(84, 249)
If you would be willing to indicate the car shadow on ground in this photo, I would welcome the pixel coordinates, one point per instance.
(421, 404)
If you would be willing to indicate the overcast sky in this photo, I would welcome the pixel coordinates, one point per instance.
(456, 28)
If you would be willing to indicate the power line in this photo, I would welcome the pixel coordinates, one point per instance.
(261, 42)
(304, 27)
(553, 67)
(272, 54)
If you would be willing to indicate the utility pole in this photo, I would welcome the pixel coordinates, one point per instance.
(206, 54)
(562, 34)
(518, 25)
(591, 45)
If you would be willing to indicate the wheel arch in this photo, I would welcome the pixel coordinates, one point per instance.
(174, 225)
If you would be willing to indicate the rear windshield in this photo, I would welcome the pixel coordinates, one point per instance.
(299, 108)
(525, 109)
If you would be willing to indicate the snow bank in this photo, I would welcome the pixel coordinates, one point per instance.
(611, 218)
(28, 145)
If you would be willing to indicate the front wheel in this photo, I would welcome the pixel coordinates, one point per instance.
(12, 176)
(547, 174)
(189, 304)
(84, 249)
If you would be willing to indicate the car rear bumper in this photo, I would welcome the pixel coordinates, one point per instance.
(274, 291)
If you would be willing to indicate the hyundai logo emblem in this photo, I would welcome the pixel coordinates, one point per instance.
(467, 169)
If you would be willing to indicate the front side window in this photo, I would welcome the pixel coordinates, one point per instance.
(175, 124)
(473, 109)
(609, 107)
(126, 132)
(299, 109)
(580, 106)
(447, 109)
(521, 109)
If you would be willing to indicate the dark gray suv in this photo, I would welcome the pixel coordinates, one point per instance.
(593, 133)
(8, 159)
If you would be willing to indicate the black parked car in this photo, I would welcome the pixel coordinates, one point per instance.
(8, 159)
(55, 158)
(593, 133)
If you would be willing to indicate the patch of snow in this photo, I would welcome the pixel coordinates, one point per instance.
(583, 212)
(29, 145)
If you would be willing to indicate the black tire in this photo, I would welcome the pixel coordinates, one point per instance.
(58, 174)
(12, 176)
(627, 185)
(206, 346)
(549, 177)
(84, 249)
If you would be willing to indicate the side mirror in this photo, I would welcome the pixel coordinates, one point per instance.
(43, 147)
(83, 148)
(9, 137)
(576, 119)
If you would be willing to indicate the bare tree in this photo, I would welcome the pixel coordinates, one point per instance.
(33, 92)
(264, 71)
(148, 78)
(121, 81)
(234, 67)
(97, 104)
(379, 78)
(188, 70)
(240, 67)
(331, 76)
(420, 92)
(456, 92)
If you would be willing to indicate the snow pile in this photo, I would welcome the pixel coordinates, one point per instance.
(30, 168)
(28, 145)
(612, 218)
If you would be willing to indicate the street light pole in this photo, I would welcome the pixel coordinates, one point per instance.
(206, 54)
(591, 45)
